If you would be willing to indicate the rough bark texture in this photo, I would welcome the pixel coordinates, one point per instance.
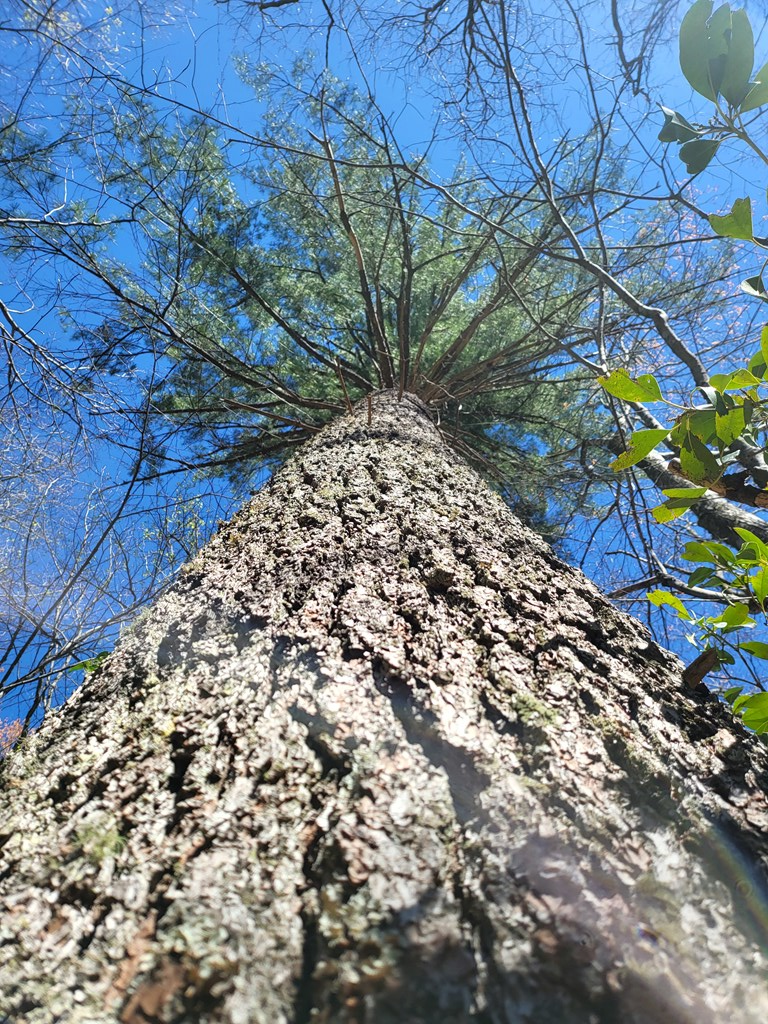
(381, 757)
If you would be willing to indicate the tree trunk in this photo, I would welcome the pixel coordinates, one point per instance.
(380, 756)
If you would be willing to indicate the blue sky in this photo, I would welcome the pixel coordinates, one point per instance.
(193, 58)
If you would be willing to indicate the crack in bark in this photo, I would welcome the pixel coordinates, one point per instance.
(309, 957)
(334, 765)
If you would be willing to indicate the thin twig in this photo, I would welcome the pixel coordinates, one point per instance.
(343, 385)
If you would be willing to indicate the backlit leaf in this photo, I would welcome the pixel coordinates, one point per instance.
(693, 48)
(734, 617)
(758, 93)
(669, 511)
(730, 426)
(679, 500)
(759, 585)
(663, 597)
(641, 443)
(709, 551)
(644, 389)
(755, 648)
(759, 545)
(757, 365)
(737, 223)
(742, 379)
(701, 423)
(676, 128)
(698, 154)
(697, 462)
(691, 493)
(719, 381)
(755, 712)
(741, 56)
(754, 286)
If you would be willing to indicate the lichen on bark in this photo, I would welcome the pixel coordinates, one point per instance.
(380, 756)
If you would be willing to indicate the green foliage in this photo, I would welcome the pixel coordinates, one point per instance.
(751, 708)
(676, 127)
(641, 443)
(702, 435)
(323, 268)
(699, 154)
(716, 56)
(90, 664)
(742, 577)
(679, 500)
(663, 597)
(707, 438)
(717, 52)
(621, 385)
(736, 224)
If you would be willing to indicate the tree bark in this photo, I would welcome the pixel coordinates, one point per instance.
(380, 756)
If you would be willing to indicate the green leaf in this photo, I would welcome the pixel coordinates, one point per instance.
(741, 56)
(756, 649)
(754, 286)
(697, 462)
(755, 712)
(742, 379)
(717, 52)
(739, 701)
(668, 511)
(711, 551)
(718, 31)
(679, 500)
(640, 444)
(619, 384)
(721, 403)
(757, 364)
(748, 406)
(698, 155)
(676, 128)
(751, 538)
(701, 423)
(734, 617)
(737, 223)
(759, 585)
(663, 597)
(90, 664)
(691, 493)
(730, 426)
(761, 548)
(701, 575)
(758, 94)
(731, 694)
(694, 61)
(697, 422)
(719, 381)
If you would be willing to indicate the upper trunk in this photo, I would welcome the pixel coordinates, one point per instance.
(379, 756)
